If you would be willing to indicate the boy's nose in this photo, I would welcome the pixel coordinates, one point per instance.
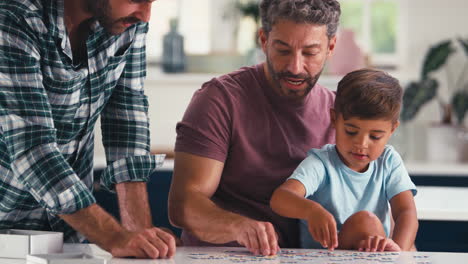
(361, 143)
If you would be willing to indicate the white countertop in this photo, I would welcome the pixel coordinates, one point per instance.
(442, 203)
(437, 169)
(414, 168)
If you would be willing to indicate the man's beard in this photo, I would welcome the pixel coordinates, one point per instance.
(101, 10)
(277, 76)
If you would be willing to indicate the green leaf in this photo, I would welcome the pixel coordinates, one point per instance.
(436, 57)
(250, 9)
(460, 105)
(416, 95)
(464, 43)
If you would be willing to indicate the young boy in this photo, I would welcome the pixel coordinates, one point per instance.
(341, 192)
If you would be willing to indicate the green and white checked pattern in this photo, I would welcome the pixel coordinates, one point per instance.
(48, 110)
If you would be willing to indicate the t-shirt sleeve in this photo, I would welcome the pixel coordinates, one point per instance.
(311, 173)
(205, 129)
(397, 179)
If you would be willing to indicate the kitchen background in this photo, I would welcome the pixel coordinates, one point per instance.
(417, 41)
(394, 35)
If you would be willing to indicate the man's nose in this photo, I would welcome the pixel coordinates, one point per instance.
(296, 63)
(144, 12)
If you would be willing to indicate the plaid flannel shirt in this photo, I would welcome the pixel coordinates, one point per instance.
(48, 110)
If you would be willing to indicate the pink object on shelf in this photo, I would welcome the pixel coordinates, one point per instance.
(347, 56)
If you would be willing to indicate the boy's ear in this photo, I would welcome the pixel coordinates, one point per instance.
(395, 125)
(332, 116)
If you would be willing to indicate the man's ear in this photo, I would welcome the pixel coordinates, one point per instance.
(333, 116)
(331, 45)
(262, 35)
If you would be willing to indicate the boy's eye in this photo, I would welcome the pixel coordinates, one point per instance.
(375, 137)
(351, 133)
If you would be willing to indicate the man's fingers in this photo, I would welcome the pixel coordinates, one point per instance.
(150, 250)
(149, 243)
(272, 239)
(170, 242)
(262, 236)
(159, 244)
(252, 237)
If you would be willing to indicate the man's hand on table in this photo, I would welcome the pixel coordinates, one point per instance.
(148, 243)
(258, 237)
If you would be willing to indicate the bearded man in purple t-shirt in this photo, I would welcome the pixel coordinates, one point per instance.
(245, 132)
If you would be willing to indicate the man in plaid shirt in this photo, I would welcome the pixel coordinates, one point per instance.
(64, 63)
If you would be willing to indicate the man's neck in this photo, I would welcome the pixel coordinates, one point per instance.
(75, 14)
(76, 20)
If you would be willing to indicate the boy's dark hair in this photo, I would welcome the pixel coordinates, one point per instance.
(369, 94)
(321, 12)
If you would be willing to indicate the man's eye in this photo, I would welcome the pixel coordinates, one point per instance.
(310, 53)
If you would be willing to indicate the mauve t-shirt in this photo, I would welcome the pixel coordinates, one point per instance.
(260, 137)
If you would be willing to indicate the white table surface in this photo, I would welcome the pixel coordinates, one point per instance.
(210, 255)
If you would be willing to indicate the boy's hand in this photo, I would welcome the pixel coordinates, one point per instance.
(378, 243)
(322, 227)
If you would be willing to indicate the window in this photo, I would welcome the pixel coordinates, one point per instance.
(377, 25)
(194, 25)
(213, 27)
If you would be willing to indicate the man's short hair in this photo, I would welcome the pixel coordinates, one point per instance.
(321, 12)
(369, 94)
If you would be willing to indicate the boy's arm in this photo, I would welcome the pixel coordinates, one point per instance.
(288, 200)
(406, 221)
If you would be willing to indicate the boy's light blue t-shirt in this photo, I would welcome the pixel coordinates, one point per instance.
(343, 192)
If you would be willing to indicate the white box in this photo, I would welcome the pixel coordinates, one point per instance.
(16, 243)
(64, 258)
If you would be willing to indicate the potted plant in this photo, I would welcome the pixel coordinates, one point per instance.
(418, 93)
(250, 9)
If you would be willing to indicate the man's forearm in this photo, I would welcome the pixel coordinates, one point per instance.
(96, 225)
(207, 221)
(135, 213)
